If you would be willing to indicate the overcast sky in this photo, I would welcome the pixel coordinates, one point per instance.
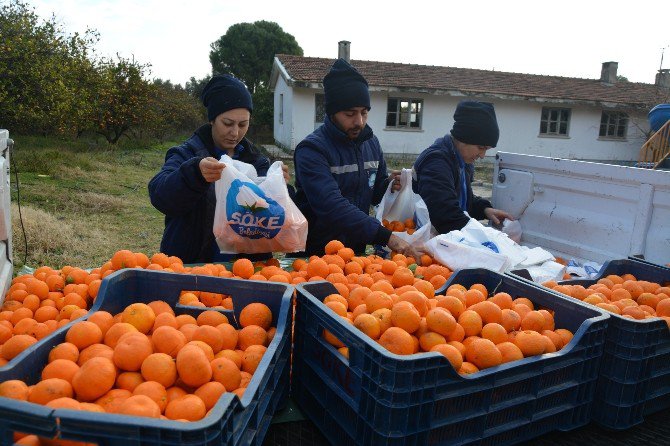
(562, 38)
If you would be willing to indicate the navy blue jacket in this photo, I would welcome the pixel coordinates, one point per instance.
(188, 201)
(337, 180)
(437, 179)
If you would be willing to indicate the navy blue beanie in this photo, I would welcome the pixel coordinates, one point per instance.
(345, 88)
(475, 123)
(223, 93)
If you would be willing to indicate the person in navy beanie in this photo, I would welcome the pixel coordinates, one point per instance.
(443, 173)
(183, 190)
(340, 170)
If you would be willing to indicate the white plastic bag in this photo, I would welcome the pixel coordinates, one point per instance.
(398, 205)
(417, 239)
(457, 255)
(421, 216)
(513, 229)
(251, 218)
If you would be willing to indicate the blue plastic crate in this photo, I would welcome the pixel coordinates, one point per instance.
(231, 421)
(377, 397)
(635, 372)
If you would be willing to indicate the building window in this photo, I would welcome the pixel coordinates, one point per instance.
(281, 108)
(319, 108)
(404, 113)
(555, 121)
(613, 124)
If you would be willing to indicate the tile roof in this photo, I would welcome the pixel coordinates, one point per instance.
(306, 71)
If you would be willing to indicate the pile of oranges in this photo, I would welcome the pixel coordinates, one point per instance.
(400, 226)
(473, 330)
(623, 295)
(147, 361)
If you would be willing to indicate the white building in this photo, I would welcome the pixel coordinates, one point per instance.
(412, 105)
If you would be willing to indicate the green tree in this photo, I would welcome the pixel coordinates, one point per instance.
(45, 73)
(123, 98)
(171, 109)
(195, 86)
(247, 50)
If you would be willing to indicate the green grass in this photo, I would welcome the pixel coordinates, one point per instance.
(81, 201)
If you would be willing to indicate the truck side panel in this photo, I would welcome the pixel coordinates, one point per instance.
(585, 210)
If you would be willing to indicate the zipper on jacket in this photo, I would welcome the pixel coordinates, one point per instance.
(362, 174)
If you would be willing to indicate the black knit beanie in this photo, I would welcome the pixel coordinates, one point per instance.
(345, 88)
(475, 123)
(223, 93)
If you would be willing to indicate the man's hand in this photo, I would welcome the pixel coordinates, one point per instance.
(287, 175)
(401, 246)
(211, 169)
(497, 216)
(395, 180)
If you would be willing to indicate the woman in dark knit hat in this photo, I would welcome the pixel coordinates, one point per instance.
(443, 172)
(183, 190)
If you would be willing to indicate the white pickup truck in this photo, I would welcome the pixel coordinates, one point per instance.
(6, 265)
(586, 211)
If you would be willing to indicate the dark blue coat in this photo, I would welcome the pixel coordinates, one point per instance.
(188, 201)
(437, 179)
(337, 180)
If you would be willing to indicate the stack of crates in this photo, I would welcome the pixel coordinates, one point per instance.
(232, 421)
(634, 376)
(377, 397)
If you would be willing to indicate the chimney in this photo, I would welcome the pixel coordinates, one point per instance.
(663, 78)
(608, 72)
(343, 49)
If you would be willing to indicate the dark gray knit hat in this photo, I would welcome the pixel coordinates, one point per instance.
(476, 123)
(345, 88)
(223, 92)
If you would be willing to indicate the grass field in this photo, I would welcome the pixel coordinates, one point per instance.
(78, 202)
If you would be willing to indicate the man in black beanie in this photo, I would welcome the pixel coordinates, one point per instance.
(443, 172)
(183, 190)
(340, 170)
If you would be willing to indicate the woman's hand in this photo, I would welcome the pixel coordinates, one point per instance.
(287, 175)
(211, 169)
(395, 180)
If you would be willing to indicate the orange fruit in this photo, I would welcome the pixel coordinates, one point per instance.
(140, 405)
(368, 324)
(243, 268)
(530, 342)
(333, 246)
(154, 390)
(251, 335)
(510, 352)
(139, 315)
(450, 352)
(440, 321)
(210, 393)
(94, 378)
(159, 367)
(483, 353)
(131, 350)
(49, 389)
(251, 358)
(193, 366)
(187, 407)
(14, 389)
(226, 372)
(398, 341)
(471, 322)
(84, 333)
(405, 316)
(256, 314)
